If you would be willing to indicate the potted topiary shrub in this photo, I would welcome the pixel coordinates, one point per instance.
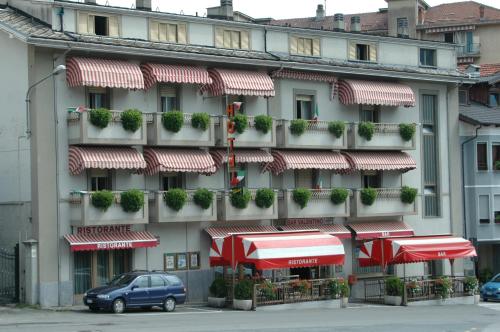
(336, 128)
(444, 287)
(240, 123)
(368, 196)
(334, 288)
(243, 292)
(200, 121)
(393, 291)
(339, 195)
(366, 130)
(298, 127)
(203, 198)
(100, 117)
(132, 200)
(301, 196)
(173, 121)
(240, 198)
(263, 123)
(218, 293)
(264, 198)
(471, 287)
(175, 198)
(102, 200)
(408, 194)
(407, 131)
(131, 120)
(344, 292)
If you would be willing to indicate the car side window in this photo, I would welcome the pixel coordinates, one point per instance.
(173, 280)
(142, 282)
(157, 281)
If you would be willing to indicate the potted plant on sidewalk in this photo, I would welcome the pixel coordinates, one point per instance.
(243, 295)
(344, 292)
(471, 287)
(393, 291)
(218, 293)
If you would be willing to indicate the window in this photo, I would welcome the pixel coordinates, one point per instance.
(370, 113)
(484, 209)
(305, 46)
(362, 52)
(496, 202)
(168, 32)
(157, 281)
(304, 107)
(463, 96)
(142, 282)
(308, 178)
(98, 98)
(173, 280)
(403, 31)
(171, 181)
(427, 57)
(169, 99)
(100, 25)
(100, 179)
(482, 157)
(236, 39)
(430, 156)
(495, 151)
(493, 100)
(372, 179)
(449, 38)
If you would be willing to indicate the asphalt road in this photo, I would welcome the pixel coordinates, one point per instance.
(485, 317)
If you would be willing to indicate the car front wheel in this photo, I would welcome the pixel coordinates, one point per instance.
(118, 306)
(169, 304)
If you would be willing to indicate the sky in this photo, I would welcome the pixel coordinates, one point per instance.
(276, 8)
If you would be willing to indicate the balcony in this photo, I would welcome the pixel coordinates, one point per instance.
(186, 136)
(316, 136)
(385, 137)
(161, 213)
(82, 131)
(83, 213)
(468, 50)
(251, 137)
(228, 212)
(387, 204)
(319, 206)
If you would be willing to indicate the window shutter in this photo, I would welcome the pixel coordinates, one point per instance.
(316, 47)
(219, 37)
(83, 22)
(245, 40)
(171, 33)
(293, 45)
(373, 52)
(235, 39)
(168, 91)
(352, 51)
(91, 24)
(114, 27)
(162, 33)
(154, 29)
(182, 33)
(300, 46)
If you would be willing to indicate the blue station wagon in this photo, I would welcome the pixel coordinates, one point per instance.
(491, 290)
(137, 290)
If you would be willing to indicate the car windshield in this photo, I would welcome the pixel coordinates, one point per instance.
(122, 280)
(496, 279)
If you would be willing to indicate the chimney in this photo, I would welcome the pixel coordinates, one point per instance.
(143, 4)
(224, 11)
(338, 22)
(355, 23)
(481, 12)
(320, 13)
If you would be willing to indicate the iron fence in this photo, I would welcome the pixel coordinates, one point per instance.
(433, 289)
(9, 267)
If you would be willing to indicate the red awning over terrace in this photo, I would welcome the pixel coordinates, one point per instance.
(111, 241)
(82, 158)
(375, 93)
(163, 73)
(240, 82)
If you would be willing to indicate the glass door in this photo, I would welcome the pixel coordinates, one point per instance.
(102, 268)
(82, 271)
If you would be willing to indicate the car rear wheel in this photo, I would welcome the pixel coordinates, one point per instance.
(118, 306)
(169, 304)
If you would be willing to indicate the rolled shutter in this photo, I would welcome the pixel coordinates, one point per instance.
(316, 47)
(352, 51)
(83, 23)
(182, 33)
(245, 40)
(293, 45)
(114, 27)
(219, 37)
(154, 30)
(373, 52)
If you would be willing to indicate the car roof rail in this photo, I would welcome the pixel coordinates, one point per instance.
(139, 271)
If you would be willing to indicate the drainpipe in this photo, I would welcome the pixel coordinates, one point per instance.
(60, 13)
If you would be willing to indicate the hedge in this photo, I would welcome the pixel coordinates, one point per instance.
(301, 196)
(368, 196)
(240, 198)
(203, 198)
(264, 198)
(102, 200)
(263, 123)
(173, 121)
(366, 130)
(336, 128)
(100, 117)
(298, 127)
(132, 200)
(175, 198)
(131, 120)
(200, 120)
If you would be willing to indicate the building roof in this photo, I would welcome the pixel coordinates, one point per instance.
(479, 114)
(489, 69)
(459, 13)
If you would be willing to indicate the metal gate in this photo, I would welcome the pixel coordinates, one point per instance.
(374, 290)
(9, 275)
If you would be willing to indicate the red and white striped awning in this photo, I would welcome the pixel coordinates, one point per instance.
(242, 156)
(450, 28)
(375, 93)
(81, 158)
(309, 76)
(178, 160)
(111, 241)
(294, 159)
(380, 161)
(163, 73)
(103, 73)
(339, 231)
(239, 82)
(378, 229)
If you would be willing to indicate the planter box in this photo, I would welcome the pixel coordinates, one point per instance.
(393, 300)
(187, 136)
(319, 206)
(316, 136)
(251, 137)
(83, 213)
(81, 131)
(216, 302)
(448, 301)
(387, 204)
(242, 304)
(323, 304)
(344, 302)
(228, 212)
(386, 137)
(161, 213)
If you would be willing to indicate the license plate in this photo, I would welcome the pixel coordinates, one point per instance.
(89, 301)
(489, 293)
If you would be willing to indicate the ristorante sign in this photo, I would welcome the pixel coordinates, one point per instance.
(104, 229)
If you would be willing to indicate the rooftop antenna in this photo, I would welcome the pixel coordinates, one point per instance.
(107, 3)
(182, 12)
(158, 8)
